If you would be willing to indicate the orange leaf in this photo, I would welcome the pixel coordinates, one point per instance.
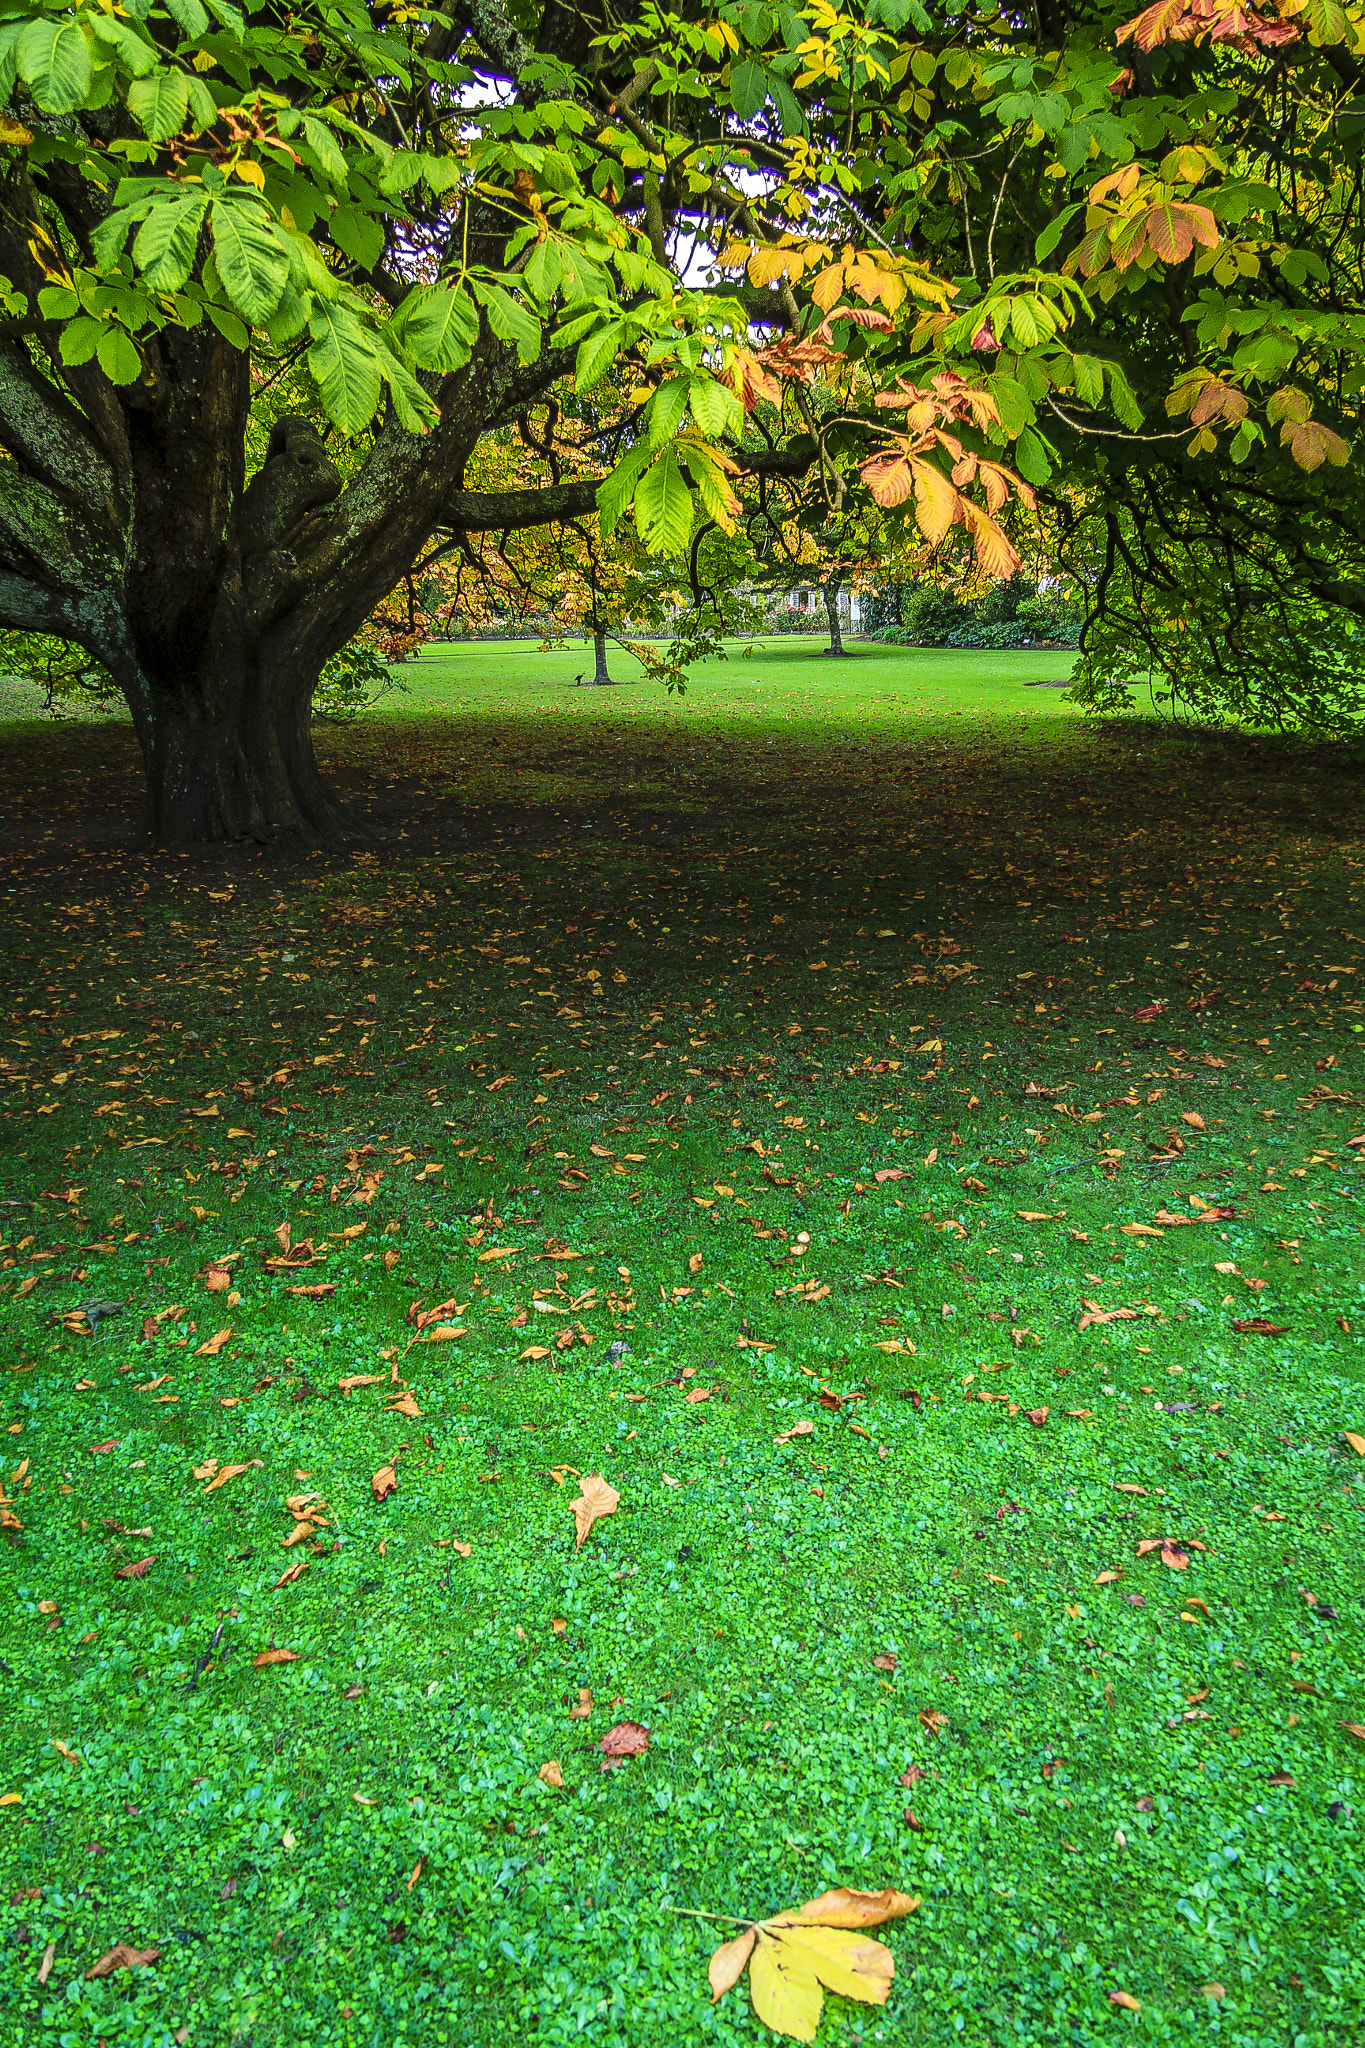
(384, 1483)
(267, 1657)
(726, 1966)
(213, 1345)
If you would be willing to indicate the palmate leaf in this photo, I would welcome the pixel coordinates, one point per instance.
(796, 1956)
(438, 327)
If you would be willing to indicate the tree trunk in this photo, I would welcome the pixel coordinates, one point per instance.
(233, 762)
(599, 648)
(831, 595)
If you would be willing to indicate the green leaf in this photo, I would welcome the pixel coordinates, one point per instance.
(1053, 232)
(1030, 457)
(665, 410)
(411, 403)
(615, 491)
(596, 355)
(345, 363)
(189, 14)
(323, 144)
(252, 262)
(229, 326)
(748, 87)
(165, 245)
(80, 340)
(542, 270)
(53, 59)
(1089, 379)
(663, 507)
(714, 406)
(511, 321)
(1123, 399)
(202, 103)
(289, 318)
(438, 327)
(118, 357)
(160, 103)
(788, 106)
(1013, 401)
(357, 235)
(228, 16)
(139, 56)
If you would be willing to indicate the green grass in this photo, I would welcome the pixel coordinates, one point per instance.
(796, 934)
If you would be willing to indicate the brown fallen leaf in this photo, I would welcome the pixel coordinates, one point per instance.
(804, 1428)
(319, 1290)
(135, 1571)
(627, 1738)
(214, 1344)
(931, 1720)
(218, 1280)
(122, 1958)
(550, 1774)
(694, 1264)
(1107, 1578)
(596, 1500)
(910, 1776)
(227, 1472)
(584, 1708)
(1356, 1728)
(1258, 1326)
(360, 1379)
(726, 1966)
(1214, 1991)
(384, 1483)
(885, 1660)
(1283, 1778)
(1036, 1215)
(292, 1572)
(405, 1404)
(45, 1966)
(1037, 1416)
(460, 1549)
(1126, 2000)
(64, 1750)
(268, 1657)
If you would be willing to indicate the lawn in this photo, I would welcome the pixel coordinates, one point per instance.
(896, 1133)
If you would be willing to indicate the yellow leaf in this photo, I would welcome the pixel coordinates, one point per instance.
(1126, 2000)
(1140, 1230)
(550, 1774)
(936, 501)
(213, 1345)
(726, 1966)
(844, 1961)
(11, 1798)
(228, 1472)
(1357, 1443)
(785, 1989)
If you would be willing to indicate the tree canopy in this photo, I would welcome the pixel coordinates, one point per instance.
(945, 258)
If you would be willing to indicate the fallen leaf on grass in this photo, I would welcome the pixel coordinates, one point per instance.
(1126, 1998)
(218, 1280)
(213, 1345)
(1037, 1416)
(1357, 1443)
(1257, 1326)
(360, 1379)
(804, 1428)
(1107, 1578)
(317, 1292)
(627, 1738)
(228, 1472)
(550, 1774)
(11, 1798)
(461, 1549)
(268, 1657)
(1172, 1554)
(597, 1500)
(121, 1958)
(135, 1571)
(45, 1966)
(404, 1404)
(1214, 1991)
(584, 1708)
(885, 1660)
(384, 1483)
(63, 1750)
(1283, 1778)
(292, 1572)
(1356, 1728)
(796, 1953)
(931, 1720)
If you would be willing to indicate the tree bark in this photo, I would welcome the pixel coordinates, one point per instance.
(832, 587)
(599, 649)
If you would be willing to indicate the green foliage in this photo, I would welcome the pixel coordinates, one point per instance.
(352, 682)
(67, 676)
